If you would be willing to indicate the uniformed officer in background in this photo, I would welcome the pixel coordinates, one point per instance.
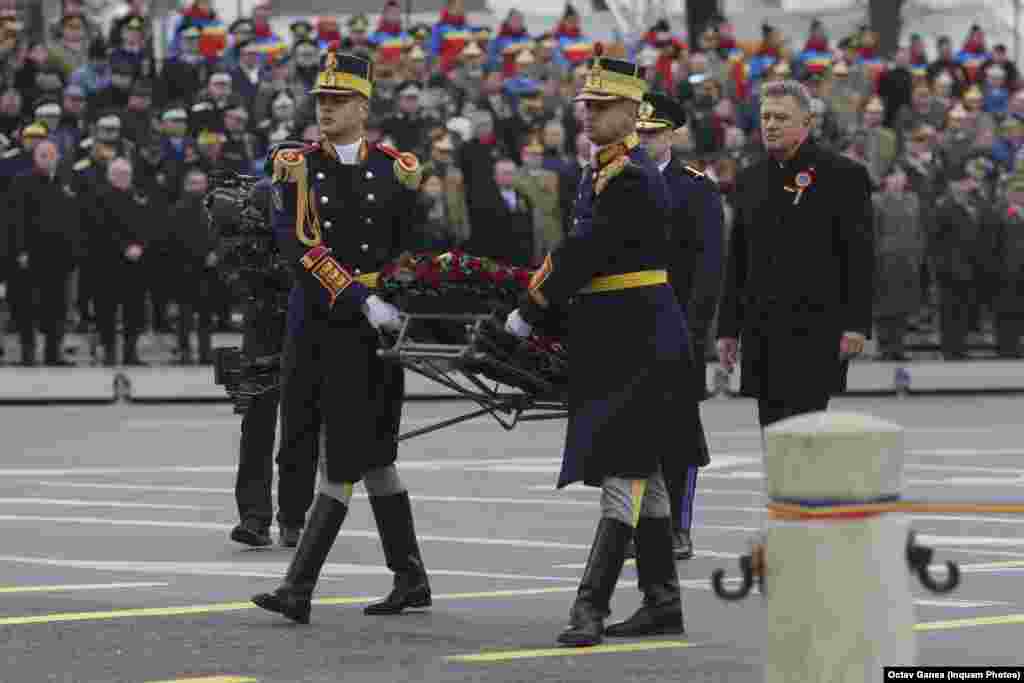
(960, 251)
(342, 208)
(694, 272)
(613, 267)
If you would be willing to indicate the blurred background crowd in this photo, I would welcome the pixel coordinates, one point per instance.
(106, 151)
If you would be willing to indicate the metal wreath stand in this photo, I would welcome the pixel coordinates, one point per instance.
(511, 379)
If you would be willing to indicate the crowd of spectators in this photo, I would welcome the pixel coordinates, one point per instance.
(115, 149)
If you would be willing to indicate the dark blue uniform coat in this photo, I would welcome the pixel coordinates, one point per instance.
(629, 347)
(695, 269)
(331, 373)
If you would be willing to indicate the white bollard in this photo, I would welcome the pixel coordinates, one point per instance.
(837, 591)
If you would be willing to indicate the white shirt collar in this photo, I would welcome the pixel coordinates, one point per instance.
(348, 155)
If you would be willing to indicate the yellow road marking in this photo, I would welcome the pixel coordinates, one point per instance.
(237, 606)
(508, 655)
(1006, 619)
(79, 587)
(211, 679)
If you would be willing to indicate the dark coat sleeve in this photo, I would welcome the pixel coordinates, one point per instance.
(855, 238)
(15, 221)
(731, 303)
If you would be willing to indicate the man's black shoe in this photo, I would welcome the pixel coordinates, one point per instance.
(289, 536)
(649, 620)
(292, 605)
(252, 532)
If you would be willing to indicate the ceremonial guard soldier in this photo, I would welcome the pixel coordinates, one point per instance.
(694, 272)
(609, 277)
(799, 276)
(342, 208)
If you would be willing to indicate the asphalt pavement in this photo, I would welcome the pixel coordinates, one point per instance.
(116, 563)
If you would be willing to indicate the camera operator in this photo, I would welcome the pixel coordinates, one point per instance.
(262, 338)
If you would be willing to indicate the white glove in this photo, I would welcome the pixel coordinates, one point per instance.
(381, 314)
(517, 326)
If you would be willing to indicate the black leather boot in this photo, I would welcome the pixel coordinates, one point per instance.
(607, 554)
(293, 597)
(662, 610)
(398, 536)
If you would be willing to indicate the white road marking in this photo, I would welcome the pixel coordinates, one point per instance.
(78, 502)
(981, 519)
(251, 569)
(976, 551)
(103, 471)
(232, 421)
(416, 498)
(965, 468)
(968, 481)
(405, 465)
(133, 487)
(968, 541)
(756, 434)
(4, 590)
(963, 452)
(573, 488)
(964, 604)
(349, 533)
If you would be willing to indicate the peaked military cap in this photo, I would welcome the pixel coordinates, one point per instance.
(359, 22)
(612, 79)
(343, 74)
(660, 112)
(301, 27)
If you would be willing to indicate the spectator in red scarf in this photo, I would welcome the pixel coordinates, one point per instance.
(327, 32)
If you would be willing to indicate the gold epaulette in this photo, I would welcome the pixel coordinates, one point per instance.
(612, 169)
(290, 167)
(408, 170)
(82, 164)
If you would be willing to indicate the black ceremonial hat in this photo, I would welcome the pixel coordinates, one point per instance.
(659, 112)
(612, 79)
(344, 74)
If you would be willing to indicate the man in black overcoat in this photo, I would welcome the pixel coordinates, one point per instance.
(798, 285)
(45, 240)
